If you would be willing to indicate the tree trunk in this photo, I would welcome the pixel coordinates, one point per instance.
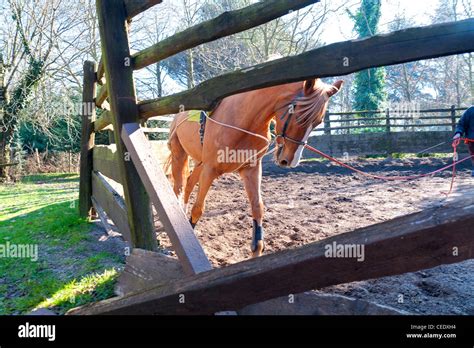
(190, 69)
(5, 133)
(159, 83)
(471, 77)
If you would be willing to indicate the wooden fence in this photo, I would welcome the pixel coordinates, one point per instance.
(383, 132)
(391, 120)
(408, 243)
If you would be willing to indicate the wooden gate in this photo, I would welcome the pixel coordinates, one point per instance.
(409, 243)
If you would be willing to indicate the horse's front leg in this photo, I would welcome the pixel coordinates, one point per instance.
(207, 176)
(252, 178)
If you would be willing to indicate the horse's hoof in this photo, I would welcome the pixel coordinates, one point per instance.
(259, 249)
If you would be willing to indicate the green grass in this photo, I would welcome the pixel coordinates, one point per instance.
(77, 293)
(42, 211)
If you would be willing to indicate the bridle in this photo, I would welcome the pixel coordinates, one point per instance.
(283, 135)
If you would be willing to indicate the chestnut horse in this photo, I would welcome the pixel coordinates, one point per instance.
(241, 124)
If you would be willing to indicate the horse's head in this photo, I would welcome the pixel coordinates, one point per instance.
(295, 123)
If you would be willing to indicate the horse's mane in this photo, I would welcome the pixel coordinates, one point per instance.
(313, 106)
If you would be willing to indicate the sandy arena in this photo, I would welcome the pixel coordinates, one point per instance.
(319, 200)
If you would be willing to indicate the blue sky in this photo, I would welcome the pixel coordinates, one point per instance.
(340, 26)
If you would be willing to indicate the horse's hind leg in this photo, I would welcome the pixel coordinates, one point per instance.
(206, 177)
(179, 166)
(191, 182)
(252, 178)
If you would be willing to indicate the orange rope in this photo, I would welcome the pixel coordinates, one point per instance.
(405, 178)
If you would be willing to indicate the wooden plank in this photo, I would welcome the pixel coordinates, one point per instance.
(122, 97)
(87, 139)
(175, 222)
(156, 130)
(393, 125)
(102, 216)
(100, 76)
(226, 24)
(382, 111)
(103, 121)
(395, 48)
(436, 236)
(135, 7)
(392, 118)
(421, 125)
(105, 159)
(145, 269)
(101, 97)
(357, 112)
(162, 118)
(112, 203)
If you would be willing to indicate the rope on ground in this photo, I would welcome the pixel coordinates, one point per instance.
(402, 178)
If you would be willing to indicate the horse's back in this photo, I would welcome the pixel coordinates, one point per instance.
(186, 130)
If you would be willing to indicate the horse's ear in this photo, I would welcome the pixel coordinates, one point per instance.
(336, 87)
(308, 86)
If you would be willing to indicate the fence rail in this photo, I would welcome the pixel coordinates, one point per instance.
(389, 122)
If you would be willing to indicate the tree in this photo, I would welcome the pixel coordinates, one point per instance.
(13, 105)
(292, 34)
(369, 85)
(453, 76)
(41, 53)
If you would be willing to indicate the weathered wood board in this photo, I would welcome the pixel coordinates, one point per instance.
(106, 161)
(87, 139)
(112, 18)
(145, 269)
(112, 203)
(177, 226)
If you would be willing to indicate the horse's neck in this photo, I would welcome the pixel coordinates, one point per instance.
(257, 108)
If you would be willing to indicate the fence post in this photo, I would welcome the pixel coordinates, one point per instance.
(87, 139)
(111, 137)
(327, 124)
(453, 117)
(387, 120)
(117, 61)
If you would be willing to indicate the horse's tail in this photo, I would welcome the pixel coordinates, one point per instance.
(167, 164)
(174, 144)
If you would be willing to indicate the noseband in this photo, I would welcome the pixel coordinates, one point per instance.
(287, 122)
